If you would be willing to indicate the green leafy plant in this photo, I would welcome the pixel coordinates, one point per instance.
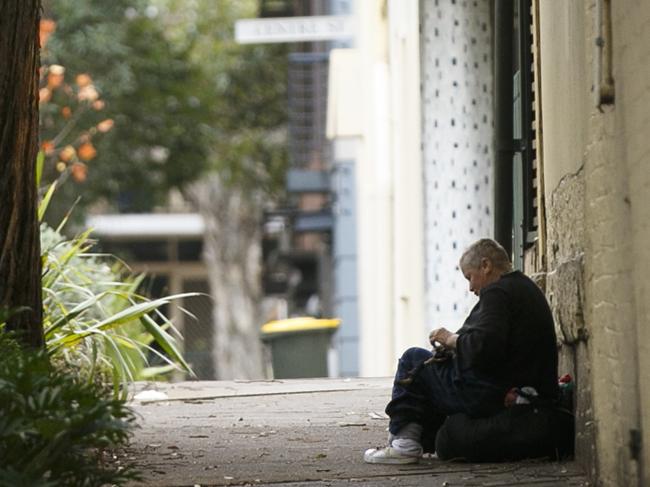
(54, 427)
(96, 320)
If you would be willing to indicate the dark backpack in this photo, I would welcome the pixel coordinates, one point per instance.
(515, 433)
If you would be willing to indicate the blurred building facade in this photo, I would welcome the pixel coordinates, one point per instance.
(312, 262)
(457, 139)
(411, 105)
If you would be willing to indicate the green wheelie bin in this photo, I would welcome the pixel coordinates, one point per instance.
(299, 346)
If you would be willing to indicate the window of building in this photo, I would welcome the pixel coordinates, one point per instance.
(519, 146)
(525, 222)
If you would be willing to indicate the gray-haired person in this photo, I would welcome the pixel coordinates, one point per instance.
(507, 341)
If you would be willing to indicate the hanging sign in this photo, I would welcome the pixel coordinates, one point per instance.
(293, 29)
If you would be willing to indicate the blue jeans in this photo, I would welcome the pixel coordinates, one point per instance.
(437, 391)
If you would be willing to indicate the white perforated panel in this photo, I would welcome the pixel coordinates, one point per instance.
(457, 147)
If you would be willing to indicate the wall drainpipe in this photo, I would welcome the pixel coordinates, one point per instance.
(503, 122)
(603, 72)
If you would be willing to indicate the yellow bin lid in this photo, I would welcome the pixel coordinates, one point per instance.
(302, 323)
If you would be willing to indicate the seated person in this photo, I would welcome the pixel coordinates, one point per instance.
(507, 341)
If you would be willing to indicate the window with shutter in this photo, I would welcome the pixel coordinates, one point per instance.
(525, 157)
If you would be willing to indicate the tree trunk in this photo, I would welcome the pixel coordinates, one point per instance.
(232, 253)
(20, 263)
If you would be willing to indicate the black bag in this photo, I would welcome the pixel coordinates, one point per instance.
(515, 433)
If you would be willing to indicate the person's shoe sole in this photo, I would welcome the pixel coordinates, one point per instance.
(388, 456)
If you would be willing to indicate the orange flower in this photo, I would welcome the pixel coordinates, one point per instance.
(67, 153)
(88, 93)
(99, 104)
(55, 76)
(48, 147)
(56, 69)
(83, 80)
(105, 125)
(86, 151)
(46, 27)
(66, 112)
(54, 80)
(44, 95)
(79, 172)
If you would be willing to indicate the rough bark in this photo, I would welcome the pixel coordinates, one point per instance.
(20, 265)
(232, 253)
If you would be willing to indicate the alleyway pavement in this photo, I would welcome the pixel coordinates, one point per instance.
(300, 432)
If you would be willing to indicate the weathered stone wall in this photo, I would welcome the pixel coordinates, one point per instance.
(565, 258)
(565, 100)
(565, 290)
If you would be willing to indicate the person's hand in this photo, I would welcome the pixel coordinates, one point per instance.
(443, 336)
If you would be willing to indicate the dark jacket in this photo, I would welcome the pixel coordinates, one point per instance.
(509, 337)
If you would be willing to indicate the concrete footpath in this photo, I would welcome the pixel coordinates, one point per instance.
(300, 432)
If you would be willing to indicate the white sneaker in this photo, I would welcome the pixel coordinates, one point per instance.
(390, 455)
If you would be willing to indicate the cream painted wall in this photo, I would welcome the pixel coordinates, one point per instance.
(612, 147)
(384, 117)
(374, 195)
(564, 74)
(609, 301)
(406, 160)
(631, 28)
